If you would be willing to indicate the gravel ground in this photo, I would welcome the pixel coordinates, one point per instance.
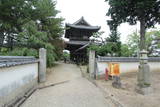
(127, 96)
(75, 92)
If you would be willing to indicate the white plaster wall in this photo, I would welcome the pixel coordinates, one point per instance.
(126, 67)
(155, 66)
(15, 77)
(101, 66)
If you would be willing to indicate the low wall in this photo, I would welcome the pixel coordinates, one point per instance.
(126, 64)
(18, 75)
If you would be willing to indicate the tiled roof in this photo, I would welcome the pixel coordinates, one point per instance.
(126, 59)
(7, 61)
(83, 27)
(81, 21)
(82, 24)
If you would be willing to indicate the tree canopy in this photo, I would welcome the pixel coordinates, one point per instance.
(30, 25)
(134, 10)
(111, 46)
(147, 12)
(151, 42)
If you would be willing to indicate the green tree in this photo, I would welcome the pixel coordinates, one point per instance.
(145, 11)
(13, 14)
(113, 41)
(98, 36)
(28, 25)
(133, 41)
(110, 47)
(125, 51)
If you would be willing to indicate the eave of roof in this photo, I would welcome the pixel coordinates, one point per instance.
(83, 27)
(77, 42)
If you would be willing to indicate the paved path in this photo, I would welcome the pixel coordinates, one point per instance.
(76, 91)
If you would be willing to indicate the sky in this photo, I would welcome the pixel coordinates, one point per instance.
(94, 12)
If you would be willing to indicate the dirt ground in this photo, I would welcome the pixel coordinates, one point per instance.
(127, 96)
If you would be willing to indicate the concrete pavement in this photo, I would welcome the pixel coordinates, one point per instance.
(76, 91)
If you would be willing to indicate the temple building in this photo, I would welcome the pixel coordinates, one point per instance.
(78, 34)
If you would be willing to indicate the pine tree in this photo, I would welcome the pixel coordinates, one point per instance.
(30, 24)
(113, 41)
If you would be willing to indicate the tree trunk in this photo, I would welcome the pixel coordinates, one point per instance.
(143, 86)
(142, 35)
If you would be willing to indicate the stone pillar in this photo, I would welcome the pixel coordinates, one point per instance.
(143, 79)
(42, 65)
(92, 63)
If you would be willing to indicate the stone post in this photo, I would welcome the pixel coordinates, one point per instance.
(92, 63)
(42, 65)
(143, 79)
